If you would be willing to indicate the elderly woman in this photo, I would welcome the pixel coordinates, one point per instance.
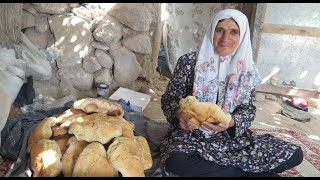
(224, 73)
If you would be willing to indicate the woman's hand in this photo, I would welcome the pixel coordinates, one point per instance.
(184, 121)
(217, 128)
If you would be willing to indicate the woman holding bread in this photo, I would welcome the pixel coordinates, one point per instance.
(221, 73)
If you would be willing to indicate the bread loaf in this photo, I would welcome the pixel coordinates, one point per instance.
(64, 120)
(45, 158)
(62, 141)
(124, 156)
(92, 162)
(69, 115)
(127, 130)
(95, 127)
(100, 105)
(144, 149)
(41, 131)
(203, 111)
(69, 158)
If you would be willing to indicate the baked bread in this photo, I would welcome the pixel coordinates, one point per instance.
(100, 105)
(69, 158)
(64, 120)
(69, 115)
(131, 124)
(62, 141)
(45, 158)
(58, 130)
(41, 131)
(127, 130)
(92, 162)
(95, 127)
(203, 111)
(124, 156)
(144, 149)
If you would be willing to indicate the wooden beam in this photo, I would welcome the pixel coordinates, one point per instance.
(253, 17)
(290, 29)
(288, 91)
(264, 10)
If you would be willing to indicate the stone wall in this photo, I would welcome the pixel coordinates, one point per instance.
(92, 43)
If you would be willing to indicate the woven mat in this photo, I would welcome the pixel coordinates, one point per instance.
(310, 167)
(4, 166)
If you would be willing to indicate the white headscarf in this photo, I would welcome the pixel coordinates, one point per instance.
(232, 77)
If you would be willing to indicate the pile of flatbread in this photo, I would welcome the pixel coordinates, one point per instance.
(91, 139)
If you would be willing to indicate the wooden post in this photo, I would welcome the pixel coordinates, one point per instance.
(10, 23)
(259, 38)
(252, 17)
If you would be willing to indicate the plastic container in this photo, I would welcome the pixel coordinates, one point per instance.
(12, 80)
(103, 90)
(299, 102)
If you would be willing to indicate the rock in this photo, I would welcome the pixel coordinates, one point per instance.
(104, 59)
(91, 64)
(52, 8)
(28, 20)
(50, 39)
(2, 66)
(72, 39)
(108, 31)
(153, 10)
(134, 15)
(126, 32)
(9, 56)
(67, 89)
(50, 88)
(99, 45)
(30, 8)
(114, 85)
(139, 43)
(126, 67)
(78, 77)
(37, 38)
(115, 46)
(145, 62)
(74, 5)
(103, 76)
(271, 97)
(42, 24)
(53, 54)
(37, 64)
(83, 13)
(149, 91)
(95, 22)
(95, 10)
(106, 6)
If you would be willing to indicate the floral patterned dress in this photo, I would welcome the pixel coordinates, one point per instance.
(237, 146)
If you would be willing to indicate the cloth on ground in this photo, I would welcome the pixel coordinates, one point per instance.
(144, 126)
(294, 113)
(14, 137)
(26, 94)
(125, 105)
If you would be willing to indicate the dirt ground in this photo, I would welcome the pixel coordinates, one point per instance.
(267, 117)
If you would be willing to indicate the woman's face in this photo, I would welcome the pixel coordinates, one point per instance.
(226, 37)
